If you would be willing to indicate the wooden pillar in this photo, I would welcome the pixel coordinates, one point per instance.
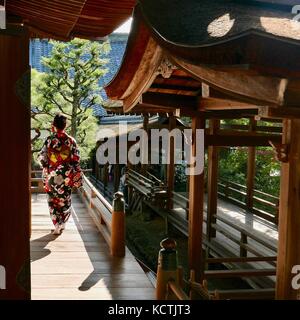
(116, 177)
(196, 197)
(144, 166)
(15, 162)
(171, 164)
(212, 181)
(105, 178)
(130, 188)
(251, 169)
(289, 213)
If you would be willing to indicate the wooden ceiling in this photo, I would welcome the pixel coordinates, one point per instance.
(71, 18)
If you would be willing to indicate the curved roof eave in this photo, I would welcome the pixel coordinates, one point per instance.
(90, 19)
(234, 49)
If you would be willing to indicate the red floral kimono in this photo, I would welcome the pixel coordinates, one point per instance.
(61, 171)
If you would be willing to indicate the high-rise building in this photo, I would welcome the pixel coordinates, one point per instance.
(40, 48)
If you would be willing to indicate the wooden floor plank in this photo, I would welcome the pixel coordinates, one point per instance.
(93, 294)
(78, 264)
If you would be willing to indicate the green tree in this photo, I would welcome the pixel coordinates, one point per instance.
(70, 86)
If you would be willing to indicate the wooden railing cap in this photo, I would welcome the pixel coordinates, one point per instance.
(118, 202)
(168, 243)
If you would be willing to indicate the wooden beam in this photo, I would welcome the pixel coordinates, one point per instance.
(205, 90)
(289, 213)
(190, 111)
(240, 140)
(212, 181)
(255, 89)
(169, 100)
(223, 104)
(181, 91)
(196, 200)
(152, 108)
(282, 112)
(230, 114)
(15, 162)
(251, 168)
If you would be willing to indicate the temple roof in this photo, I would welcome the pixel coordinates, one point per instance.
(71, 18)
(236, 48)
(195, 23)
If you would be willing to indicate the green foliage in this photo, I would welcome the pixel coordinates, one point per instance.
(181, 179)
(267, 177)
(233, 163)
(71, 87)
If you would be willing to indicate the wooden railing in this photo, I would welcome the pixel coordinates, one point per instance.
(145, 187)
(100, 208)
(109, 219)
(171, 284)
(178, 200)
(264, 204)
(105, 190)
(37, 185)
(250, 246)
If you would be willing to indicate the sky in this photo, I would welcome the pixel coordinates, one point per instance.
(125, 27)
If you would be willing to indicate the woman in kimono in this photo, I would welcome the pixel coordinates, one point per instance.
(61, 172)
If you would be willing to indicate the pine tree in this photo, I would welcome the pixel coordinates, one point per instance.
(70, 86)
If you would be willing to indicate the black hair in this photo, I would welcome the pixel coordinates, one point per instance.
(60, 121)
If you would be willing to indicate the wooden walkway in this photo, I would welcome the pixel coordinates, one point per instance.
(77, 264)
(262, 238)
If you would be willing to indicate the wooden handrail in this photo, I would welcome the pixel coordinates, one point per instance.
(154, 177)
(264, 205)
(259, 238)
(273, 129)
(233, 183)
(138, 175)
(108, 218)
(247, 294)
(180, 196)
(175, 289)
(240, 259)
(243, 273)
(97, 193)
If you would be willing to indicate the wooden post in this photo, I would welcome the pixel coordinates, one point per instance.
(144, 166)
(289, 213)
(116, 177)
(166, 268)
(251, 169)
(15, 162)
(244, 240)
(196, 197)
(92, 196)
(212, 181)
(118, 226)
(105, 177)
(171, 164)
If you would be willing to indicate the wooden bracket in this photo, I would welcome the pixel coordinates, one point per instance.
(281, 151)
